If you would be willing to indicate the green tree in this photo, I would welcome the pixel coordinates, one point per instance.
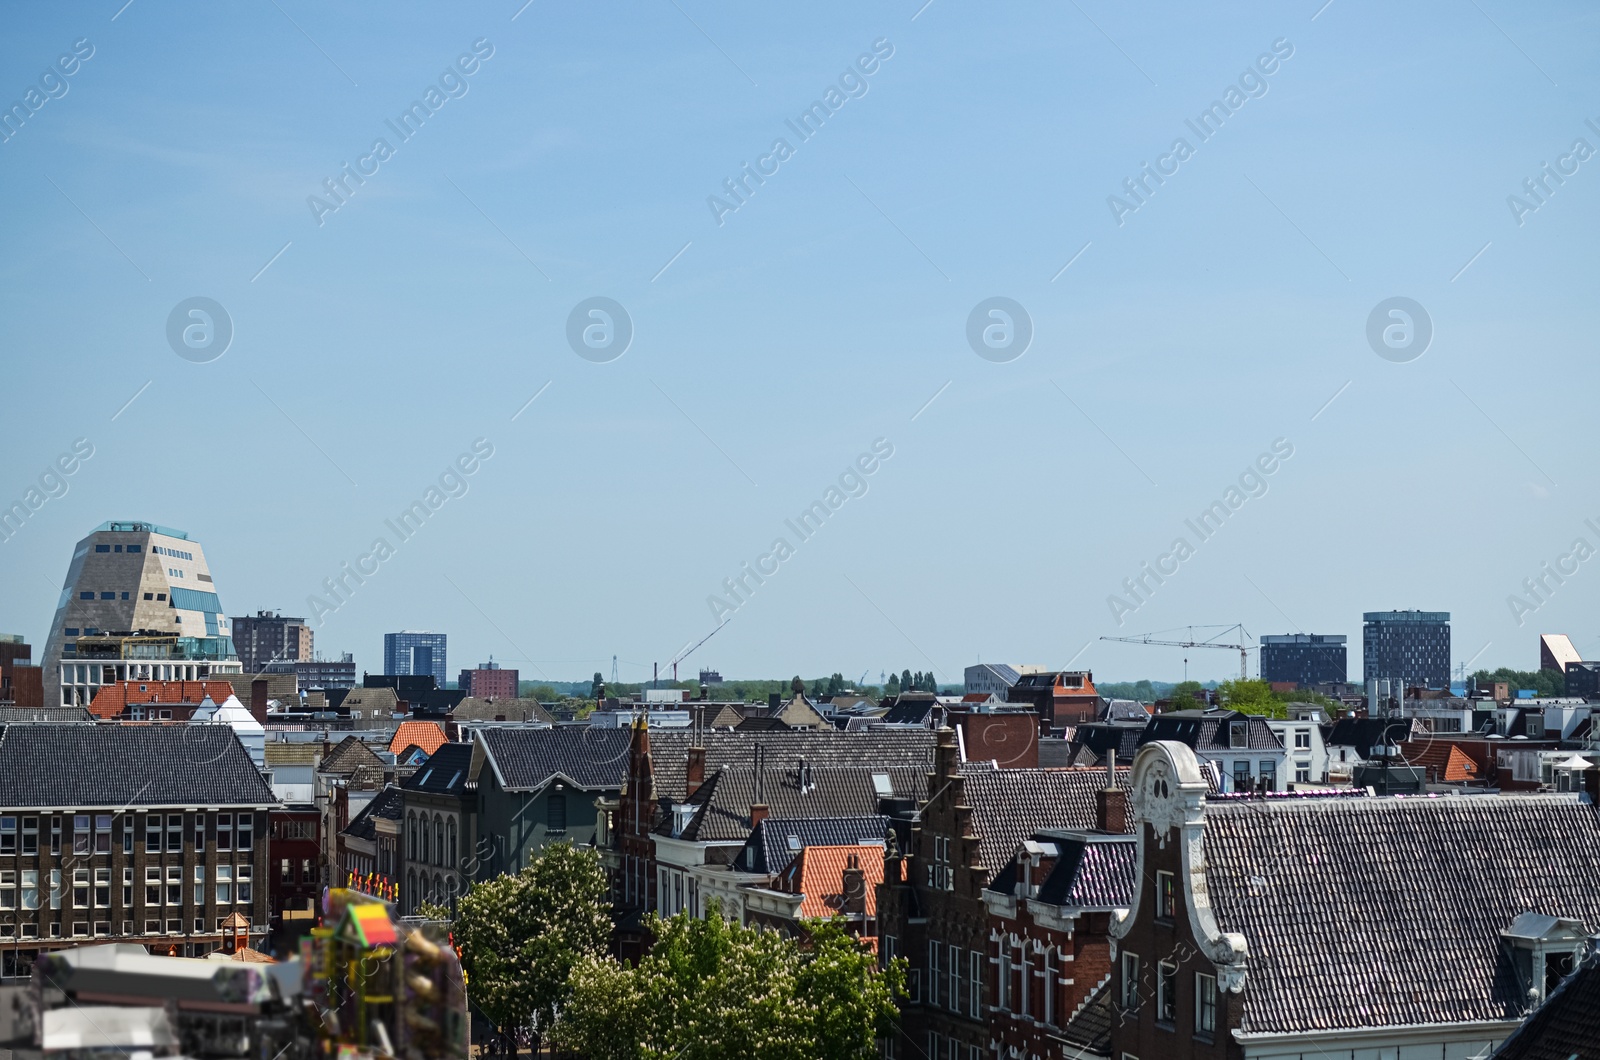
(1252, 697)
(430, 911)
(597, 686)
(713, 990)
(836, 684)
(907, 682)
(1188, 695)
(1542, 682)
(892, 687)
(521, 935)
(819, 688)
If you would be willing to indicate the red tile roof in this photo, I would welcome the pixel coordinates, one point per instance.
(817, 872)
(424, 734)
(112, 700)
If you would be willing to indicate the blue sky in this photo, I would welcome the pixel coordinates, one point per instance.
(769, 351)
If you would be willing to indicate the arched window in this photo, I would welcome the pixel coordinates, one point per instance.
(438, 840)
(411, 836)
(411, 889)
(439, 896)
(422, 855)
(451, 830)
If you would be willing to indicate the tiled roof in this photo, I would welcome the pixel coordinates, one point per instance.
(1089, 1031)
(820, 747)
(445, 771)
(1089, 872)
(10, 713)
(387, 804)
(370, 701)
(910, 708)
(1352, 907)
(424, 734)
(817, 872)
(282, 753)
(724, 800)
(1009, 805)
(348, 754)
(775, 841)
(1365, 733)
(472, 708)
(1099, 737)
(1566, 1026)
(1206, 731)
(525, 759)
(111, 700)
(127, 765)
(1447, 761)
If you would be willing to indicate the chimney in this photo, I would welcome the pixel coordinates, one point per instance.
(258, 699)
(695, 774)
(758, 813)
(853, 897)
(1111, 802)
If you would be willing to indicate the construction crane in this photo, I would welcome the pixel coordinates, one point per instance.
(1243, 649)
(682, 655)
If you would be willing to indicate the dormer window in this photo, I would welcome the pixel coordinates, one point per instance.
(1544, 950)
(1238, 734)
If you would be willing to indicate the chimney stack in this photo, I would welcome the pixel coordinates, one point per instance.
(854, 897)
(758, 813)
(1111, 802)
(695, 774)
(258, 699)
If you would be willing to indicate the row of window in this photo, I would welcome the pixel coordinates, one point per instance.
(232, 884)
(93, 833)
(89, 595)
(1166, 994)
(173, 552)
(120, 548)
(102, 928)
(428, 845)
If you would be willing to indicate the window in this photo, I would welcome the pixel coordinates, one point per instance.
(152, 885)
(285, 870)
(1048, 963)
(957, 995)
(1302, 739)
(161, 596)
(135, 548)
(1025, 986)
(174, 885)
(1241, 776)
(80, 834)
(1166, 992)
(30, 835)
(1205, 1003)
(307, 874)
(108, 596)
(174, 927)
(1166, 895)
(80, 928)
(1002, 979)
(102, 888)
(102, 833)
(127, 893)
(939, 874)
(86, 596)
(975, 984)
(244, 832)
(174, 832)
(152, 927)
(1302, 772)
(149, 596)
(224, 884)
(224, 831)
(200, 925)
(80, 888)
(1130, 982)
(1238, 734)
(152, 834)
(935, 980)
(8, 835)
(1269, 774)
(242, 878)
(8, 889)
(102, 548)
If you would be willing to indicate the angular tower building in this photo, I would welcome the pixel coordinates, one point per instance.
(138, 603)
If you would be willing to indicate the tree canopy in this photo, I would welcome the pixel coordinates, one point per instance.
(713, 990)
(1542, 682)
(520, 935)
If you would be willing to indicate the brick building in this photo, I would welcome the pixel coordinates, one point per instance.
(145, 834)
(1060, 698)
(294, 876)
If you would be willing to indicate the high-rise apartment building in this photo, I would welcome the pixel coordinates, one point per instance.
(1307, 659)
(138, 603)
(489, 681)
(268, 637)
(415, 651)
(1412, 647)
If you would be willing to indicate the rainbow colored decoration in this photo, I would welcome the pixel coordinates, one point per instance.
(368, 923)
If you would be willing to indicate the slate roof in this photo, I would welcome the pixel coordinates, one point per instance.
(349, 754)
(445, 772)
(528, 759)
(46, 765)
(1567, 1025)
(388, 804)
(10, 713)
(1010, 805)
(1099, 737)
(817, 872)
(1089, 1032)
(775, 841)
(669, 751)
(1206, 731)
(1365, 733)
(1088, 873)
(370, 701)
(724, 800)
(910, 708)
(1353, 908)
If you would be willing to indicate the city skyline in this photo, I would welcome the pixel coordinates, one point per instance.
(1180, 312)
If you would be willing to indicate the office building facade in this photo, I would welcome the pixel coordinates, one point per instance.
(1412, 647)
(138, 603)
(267, 637)
(1307, 659)
(489, 681)
(415, 651)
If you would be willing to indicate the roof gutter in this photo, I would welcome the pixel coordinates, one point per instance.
(1348, 1036)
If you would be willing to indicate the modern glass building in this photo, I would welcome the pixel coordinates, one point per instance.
(1307, 659)
(1410, 646)
(415, 651)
